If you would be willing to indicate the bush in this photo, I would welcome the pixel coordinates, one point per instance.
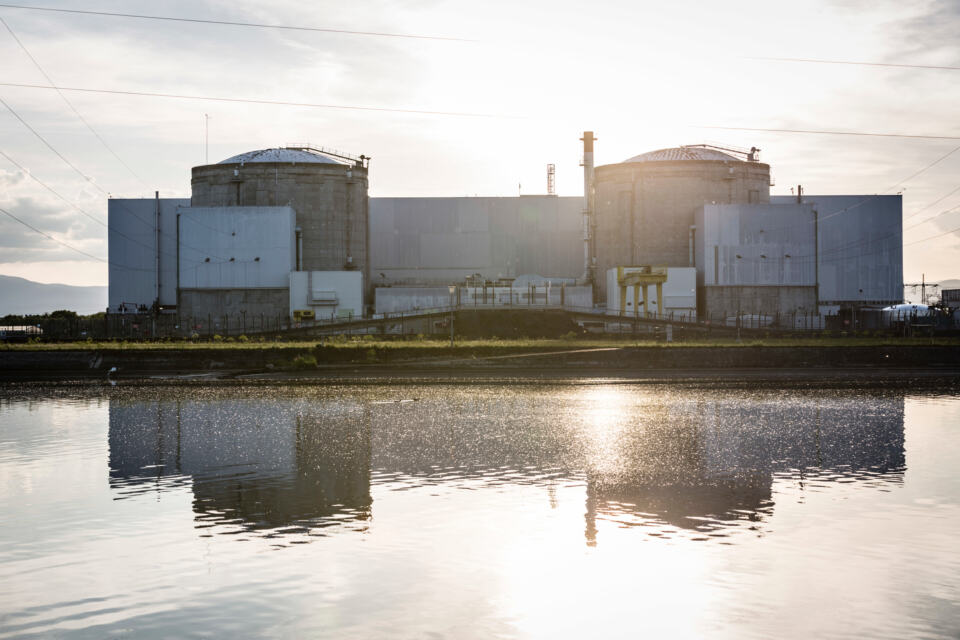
(243, 338)
(217, 337)
(305, 361)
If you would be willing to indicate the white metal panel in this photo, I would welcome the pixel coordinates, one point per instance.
(757, 245)
(236, 247)
(329, 294)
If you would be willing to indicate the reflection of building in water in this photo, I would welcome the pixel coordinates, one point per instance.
(710, 465)
(265, 462)
(703, 462)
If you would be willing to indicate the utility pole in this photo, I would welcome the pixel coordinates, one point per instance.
(453, 290)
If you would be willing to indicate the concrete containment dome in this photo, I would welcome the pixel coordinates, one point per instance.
(283, 154)
(644, 207)
(683, 153)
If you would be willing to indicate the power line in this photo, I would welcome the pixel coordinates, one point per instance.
(814, 131)
(933, 237)
(152, 94)
(852, 62)
(47, 235)
(932, 218)
(120, 204)
(50, 189)
(72, 166)
(937, 201)
(267, 102)
(929, 166)
(241, 24)
(70, 104)
(50, 146)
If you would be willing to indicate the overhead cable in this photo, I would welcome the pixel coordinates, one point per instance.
(313, 105)
(50, 146)
(233, 23)
(853, 62)
(47, 235)
(822, 132)
(70, 104)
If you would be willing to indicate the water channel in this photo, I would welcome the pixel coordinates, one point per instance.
(584, 509)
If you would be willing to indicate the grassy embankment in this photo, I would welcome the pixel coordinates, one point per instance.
(504, 345)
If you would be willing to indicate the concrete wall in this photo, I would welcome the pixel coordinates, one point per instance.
(132, 251)
(236, 247)
(769, 300)
(444, 240)
(403, 299)
(644, 210)
(860, 248)
(398, 299)
(679, 293)
(330, 201)
(329, 294)
(228, 310)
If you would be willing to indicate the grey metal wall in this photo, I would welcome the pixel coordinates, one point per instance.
(132, 241)
(756, 244)
(860, 248)
(441, 240)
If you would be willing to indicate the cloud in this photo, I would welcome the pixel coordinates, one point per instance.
(930, 34)
(18, 243)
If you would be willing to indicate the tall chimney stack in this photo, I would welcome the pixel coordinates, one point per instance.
(587, 205)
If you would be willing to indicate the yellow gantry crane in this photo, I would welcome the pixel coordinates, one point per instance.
(636, 277)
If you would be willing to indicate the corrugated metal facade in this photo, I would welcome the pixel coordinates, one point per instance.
(756, 244)
(860, 248)
(132, 242)
(448, 239)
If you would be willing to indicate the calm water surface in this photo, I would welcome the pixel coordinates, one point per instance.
(587, 510)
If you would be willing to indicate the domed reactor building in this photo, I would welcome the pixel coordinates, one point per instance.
(327, 192)
(645, 206)
(267, 237)
(274, 237)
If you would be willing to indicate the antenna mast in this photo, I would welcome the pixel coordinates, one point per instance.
(206, 138)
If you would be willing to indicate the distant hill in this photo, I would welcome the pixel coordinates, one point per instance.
(21, 296)
(949, 284)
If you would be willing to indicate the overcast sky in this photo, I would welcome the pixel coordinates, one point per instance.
(642, 75)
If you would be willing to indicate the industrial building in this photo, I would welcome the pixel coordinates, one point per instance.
(290, 234)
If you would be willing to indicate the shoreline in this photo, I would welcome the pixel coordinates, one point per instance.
(365, 364)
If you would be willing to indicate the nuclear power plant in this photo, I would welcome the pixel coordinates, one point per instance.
(278, 237)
